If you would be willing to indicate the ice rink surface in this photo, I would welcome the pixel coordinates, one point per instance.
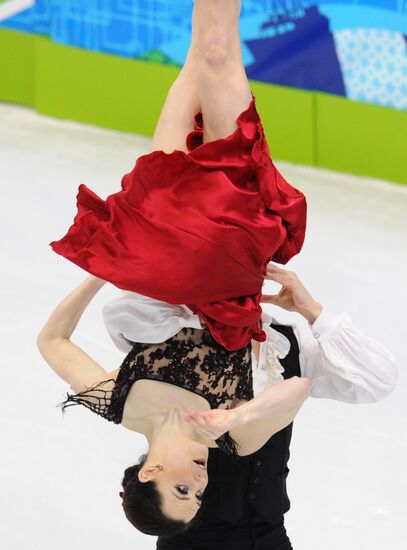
(60, 475)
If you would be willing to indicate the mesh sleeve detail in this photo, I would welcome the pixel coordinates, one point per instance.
(96, 398)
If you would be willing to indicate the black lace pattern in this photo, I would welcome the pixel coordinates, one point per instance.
(191, 359)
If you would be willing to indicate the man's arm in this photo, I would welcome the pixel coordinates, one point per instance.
(258, 420)
(336, 361)
(252, 423)
(69, 361)
(341, 362)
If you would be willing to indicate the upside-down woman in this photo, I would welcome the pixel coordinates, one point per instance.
(196, 222)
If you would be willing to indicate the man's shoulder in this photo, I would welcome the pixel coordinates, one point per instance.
(276, 319)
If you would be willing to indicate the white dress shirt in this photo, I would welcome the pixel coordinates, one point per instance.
(341, 362)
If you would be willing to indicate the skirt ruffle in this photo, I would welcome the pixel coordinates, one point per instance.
(195, 228)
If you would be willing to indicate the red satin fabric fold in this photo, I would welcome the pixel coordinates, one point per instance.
(195, 228)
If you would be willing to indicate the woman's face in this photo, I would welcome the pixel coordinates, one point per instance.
(183, 480)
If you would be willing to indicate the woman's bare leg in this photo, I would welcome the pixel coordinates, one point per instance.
(224, 90)
(182, 103)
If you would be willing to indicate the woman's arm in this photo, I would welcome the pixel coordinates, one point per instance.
(70, 362)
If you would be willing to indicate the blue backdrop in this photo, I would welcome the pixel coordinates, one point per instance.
(353, 48)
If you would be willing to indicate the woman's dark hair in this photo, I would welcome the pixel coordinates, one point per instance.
(142, 505)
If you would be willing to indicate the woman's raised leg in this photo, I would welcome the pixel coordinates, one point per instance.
(181, 104)
(223, 88)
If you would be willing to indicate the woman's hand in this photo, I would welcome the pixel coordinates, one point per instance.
(293, 296)
(212, 424)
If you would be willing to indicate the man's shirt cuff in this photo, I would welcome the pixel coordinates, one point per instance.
(324, 324)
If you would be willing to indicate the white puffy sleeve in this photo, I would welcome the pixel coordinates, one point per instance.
(133, 317)
(342, 363)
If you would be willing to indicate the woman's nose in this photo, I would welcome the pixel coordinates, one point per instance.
(200, 477)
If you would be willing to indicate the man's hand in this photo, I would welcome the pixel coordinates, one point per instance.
(293, 296)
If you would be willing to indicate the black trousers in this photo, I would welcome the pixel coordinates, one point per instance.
(250, 534)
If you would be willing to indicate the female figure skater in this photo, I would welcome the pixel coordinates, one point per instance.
(154, 392)
(195, 223)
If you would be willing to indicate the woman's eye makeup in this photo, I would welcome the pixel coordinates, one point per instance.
(182, 489)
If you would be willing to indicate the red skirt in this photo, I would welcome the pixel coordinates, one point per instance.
(195, 228)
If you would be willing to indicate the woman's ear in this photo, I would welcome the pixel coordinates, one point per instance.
(147, 473)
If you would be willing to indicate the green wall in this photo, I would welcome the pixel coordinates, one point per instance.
(287, 116)
(125, 94)
(105, 90)
(361, 138)
(17, 66)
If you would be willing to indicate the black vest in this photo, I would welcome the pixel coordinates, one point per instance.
(242, 488)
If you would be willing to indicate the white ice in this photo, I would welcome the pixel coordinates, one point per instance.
(60, 476)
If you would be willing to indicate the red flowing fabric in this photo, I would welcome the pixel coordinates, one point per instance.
(195, 228)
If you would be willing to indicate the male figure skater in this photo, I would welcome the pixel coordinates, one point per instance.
(246, 498)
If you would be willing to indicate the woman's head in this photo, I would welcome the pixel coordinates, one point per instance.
(163, 498)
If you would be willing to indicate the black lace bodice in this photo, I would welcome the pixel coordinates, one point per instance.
(192, 360)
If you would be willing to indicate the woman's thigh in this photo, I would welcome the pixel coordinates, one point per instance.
(176, 119)
(223, 88)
